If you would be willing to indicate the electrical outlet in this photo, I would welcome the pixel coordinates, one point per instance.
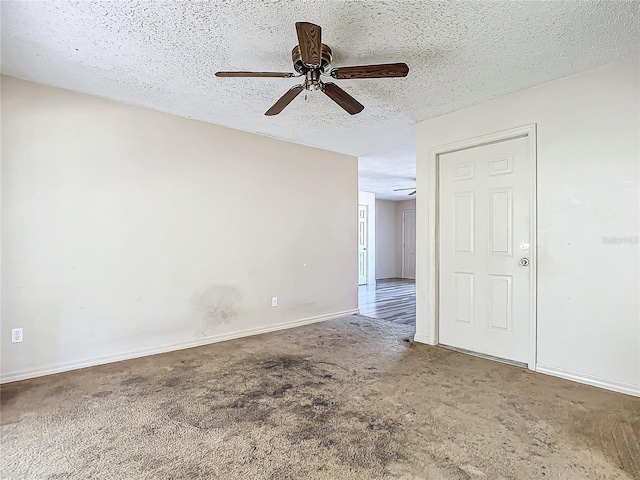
(16, 335)
(274, 301)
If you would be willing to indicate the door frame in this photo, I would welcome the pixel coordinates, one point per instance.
(431, 332)
(403, 242)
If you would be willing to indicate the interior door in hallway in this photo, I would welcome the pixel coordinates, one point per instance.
(484, 235)
(363, 243)
(409, 244)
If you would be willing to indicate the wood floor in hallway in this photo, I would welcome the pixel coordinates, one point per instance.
(392, 299)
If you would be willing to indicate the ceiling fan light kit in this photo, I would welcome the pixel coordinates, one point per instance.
(311, 60)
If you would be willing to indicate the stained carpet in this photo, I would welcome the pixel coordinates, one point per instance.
(351, 398)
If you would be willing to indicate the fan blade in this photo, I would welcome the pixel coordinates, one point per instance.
(386, 70)
(256, 74)
(310, 41)
(342, 98)
(401, 189)
(413, 193)
(284, 100)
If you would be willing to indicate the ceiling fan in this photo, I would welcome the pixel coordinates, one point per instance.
(410, 188)
(311, 59)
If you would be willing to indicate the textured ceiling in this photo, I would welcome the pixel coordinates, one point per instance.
(163, 55)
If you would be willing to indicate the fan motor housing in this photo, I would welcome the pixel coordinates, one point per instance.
(325, 62)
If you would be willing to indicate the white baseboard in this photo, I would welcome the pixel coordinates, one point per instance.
(619, 387)
(92, 362)
(421, 339)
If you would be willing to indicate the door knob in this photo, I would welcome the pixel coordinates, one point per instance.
(524, 262)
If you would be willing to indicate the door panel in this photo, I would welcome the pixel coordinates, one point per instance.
(463, 287)
(500, 221)
(463, 221)
(500, 301)
(484, 213)
(363, 241)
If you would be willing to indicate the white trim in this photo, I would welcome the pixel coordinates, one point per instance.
(421, 339)
(403, 242)
(431, 324)
(619, 387)
(65, 367)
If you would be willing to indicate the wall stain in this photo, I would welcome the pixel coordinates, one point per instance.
(216, 306)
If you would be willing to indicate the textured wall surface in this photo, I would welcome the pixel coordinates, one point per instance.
(127, 231)
(163, 55)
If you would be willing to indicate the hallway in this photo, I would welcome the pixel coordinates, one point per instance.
(392, 299)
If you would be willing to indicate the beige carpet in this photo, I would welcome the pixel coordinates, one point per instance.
(349, 398)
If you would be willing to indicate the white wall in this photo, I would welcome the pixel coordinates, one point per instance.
(588, 140)
(369, 199)
(127, 231)
(403, 206)
(386, 240)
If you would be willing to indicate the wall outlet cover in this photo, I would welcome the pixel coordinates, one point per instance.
(16, 335)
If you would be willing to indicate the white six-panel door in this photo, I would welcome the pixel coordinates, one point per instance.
(409, 244)
(484, 273)
(363, 243)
